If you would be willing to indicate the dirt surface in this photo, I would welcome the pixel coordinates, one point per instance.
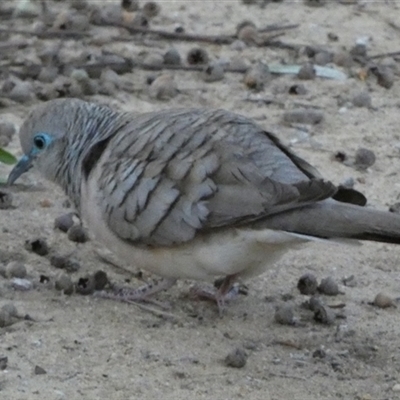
(93, 348)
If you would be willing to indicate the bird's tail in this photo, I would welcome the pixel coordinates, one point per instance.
(332, 219)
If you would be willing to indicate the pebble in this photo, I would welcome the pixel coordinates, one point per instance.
(248, 34)
(5, 319)
(382, 300)
(362, 99)
(3, 362)
(6, 200)
(7, 131)
(359, 50)
(306, 72)
(395, 208)
(303, 116)
(329, 287)
(385, 76)
(39, 370)
(11, 309)
(78, 234)
(154, 60)
(38, 246)
(163, 87)
(257, 77)
(314, 303)
(64, 262)
(21, 284)
(16, 269)
(22, 92)
(396, 387)
(213, 72)
(130, 5)
(237, 358)
(364, 158)
(151, 9)
(298, 89)
(86, 285)
(307, 284)
(64, 222)
(172, 57)
(100, 279)
(343, 59)
(284, 315)
(323, 57)
(197, 56)
(64, 284)
(324, 315)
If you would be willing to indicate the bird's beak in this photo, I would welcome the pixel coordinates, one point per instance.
(23, 165)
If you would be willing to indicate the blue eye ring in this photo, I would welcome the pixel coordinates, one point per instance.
(40, 141)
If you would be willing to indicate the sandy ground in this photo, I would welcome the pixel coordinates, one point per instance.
(97, 349)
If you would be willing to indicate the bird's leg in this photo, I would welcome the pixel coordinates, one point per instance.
(143, 293)
(226, 291)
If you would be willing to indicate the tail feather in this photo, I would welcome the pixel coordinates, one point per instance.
(332, 219)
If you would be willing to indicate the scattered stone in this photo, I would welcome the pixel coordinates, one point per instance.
(39, 370)
(151, 9)
(172, 57)
(3, 271)
(7, 131)
(16, 269)
(396, 387)
(213, 72)
(139, 21)
(343, 59)
(315, 303)
(38, 246)
(236, 358)
(359, 50)
(78, 234)
(21, 284)
(324, 315)
(64, 222)
(323, 58)
(362, 99)
(350, 281)
(303, 116)
(86, 285)
(45, 203)
(22, 92)
(257, 76)
(248, 34)
(3, 362)
(48, 74)
(364, 158)
(306, 72)
(284, 315)
(64, 262)
(5, 319)
(329, 287)
(130, 5)
(197, 56)
(395, 208)
(385, 76)
(163, 87)
(100, 279)
(382, 300)
(154, 60)
(333, 37)
(6, 199)
(307, 284)
(11, 309)
(297, 89)
(64, 284)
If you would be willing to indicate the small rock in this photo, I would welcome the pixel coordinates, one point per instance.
(349, 281)
(314, 303)
(343, 59)
(151, 9)
(213, 72)
(3, 271)
(385, 76)
(236, 358)
(329, 287)
(100, 279)
(248, 34)
(396, 387)
(38, 246)
(324, 315)
(78, 234)
(5, 319)
(333, 37)
(21, 284)
(48, 74)
(86, 285)
(197, 56)
(22, 92)
(11, 309)
(39, 370)
(64, 222)
(306, 72)
(257, 77)
(284, 315)
(45, 203)
(395, 208)
(139, 21)
(297, 89)
(3, 362)
(130, 5)
(303, 116)
(154, 60)
(362, 99)
(323, 58)
(359, 50)
(172, 57)
(382, 300)
(64, 284)
(364, 158)
(7, 131)
(65, 262)
(16, 269)
(307, 284)
(6, 199)
(163, 87)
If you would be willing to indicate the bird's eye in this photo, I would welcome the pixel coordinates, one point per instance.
(39, 142)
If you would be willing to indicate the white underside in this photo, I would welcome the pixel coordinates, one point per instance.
(244, 252)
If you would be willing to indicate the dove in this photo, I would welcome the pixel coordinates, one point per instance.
(194, 194)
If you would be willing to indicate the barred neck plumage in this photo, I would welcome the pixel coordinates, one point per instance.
(89, 125)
